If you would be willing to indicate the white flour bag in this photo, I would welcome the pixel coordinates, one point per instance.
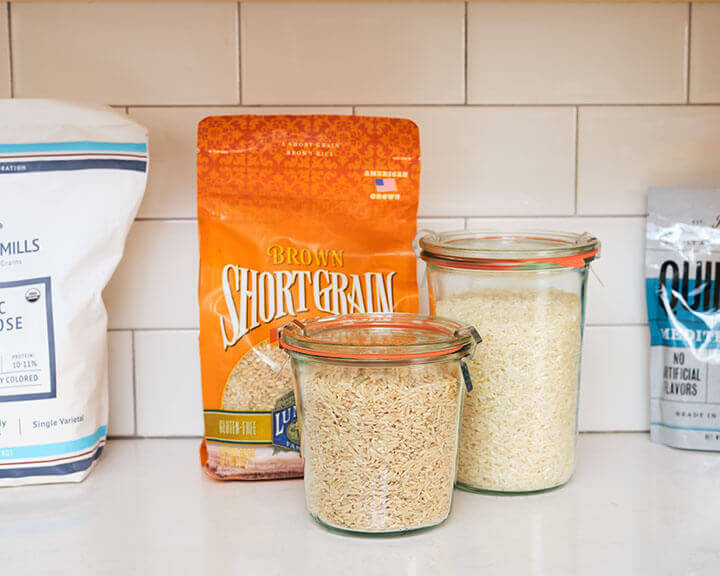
(71, 180)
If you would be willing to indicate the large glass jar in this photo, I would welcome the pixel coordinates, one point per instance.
(525, 293)
(379, 398)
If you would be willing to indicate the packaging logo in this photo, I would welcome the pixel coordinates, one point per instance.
(286, 428)
(19, 247)
(385, 183)
(701, 293)
(254, 298)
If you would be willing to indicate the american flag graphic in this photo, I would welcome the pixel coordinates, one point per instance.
(385, 185)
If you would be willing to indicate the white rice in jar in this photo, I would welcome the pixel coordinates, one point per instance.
(519, 423)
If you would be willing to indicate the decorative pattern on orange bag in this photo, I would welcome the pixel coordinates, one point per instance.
(298, 216)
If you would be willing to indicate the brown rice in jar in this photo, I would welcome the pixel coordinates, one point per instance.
(379, 401)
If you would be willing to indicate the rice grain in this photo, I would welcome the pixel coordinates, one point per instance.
(519, 422)
(258, 380)
(380, 444)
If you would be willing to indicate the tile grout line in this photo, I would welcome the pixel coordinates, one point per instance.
(239, 51)
(620, 325)
(159, 437)
(136, 329)
(459, 105)
(11, 58)
(198, 437)
(577, 154)
(688, 44)
(537, 216)
(237, 105)
(134, 378)
(178, 219)
(166, 219)
(614, 431)
(466, 53)
(182, 219)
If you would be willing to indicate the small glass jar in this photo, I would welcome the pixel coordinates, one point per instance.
(379, 398)
(525, 293)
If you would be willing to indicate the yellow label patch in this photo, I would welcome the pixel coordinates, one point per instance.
(239, 427)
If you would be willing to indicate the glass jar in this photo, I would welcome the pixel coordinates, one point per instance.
(379, 398)
(525, 293)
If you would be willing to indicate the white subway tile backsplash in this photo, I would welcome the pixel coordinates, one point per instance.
(440, 224)
(616, 287)
(155, 285)
(352, 53)
(507, 167)
(613, 395)
(541, 53)
(172, 187)
(122, 395)
(614, 392)
(625, 150)
(4, 52)
(127, 53)
(432, 225)
(704, 53)
(493, 161)
(169, 394)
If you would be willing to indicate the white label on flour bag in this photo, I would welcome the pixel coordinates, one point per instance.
(71, 180)
(27, 342)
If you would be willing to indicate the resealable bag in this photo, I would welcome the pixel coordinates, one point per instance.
(298, 216)
(682, 268)
(71, 180)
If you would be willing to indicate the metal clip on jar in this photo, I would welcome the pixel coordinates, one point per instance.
(379, 398)
(525, 292)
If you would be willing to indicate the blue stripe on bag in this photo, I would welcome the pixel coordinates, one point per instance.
(56, 449)
(56, 470)
(79, 146)
(70, 165)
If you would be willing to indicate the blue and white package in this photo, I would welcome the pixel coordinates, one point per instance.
(71, 180)
(682, 276)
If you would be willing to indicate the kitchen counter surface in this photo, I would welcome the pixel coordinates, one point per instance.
(632, 508)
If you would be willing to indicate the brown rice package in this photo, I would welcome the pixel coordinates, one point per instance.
(298, 216)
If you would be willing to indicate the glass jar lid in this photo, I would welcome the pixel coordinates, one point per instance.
(379, 338)
(526, 250)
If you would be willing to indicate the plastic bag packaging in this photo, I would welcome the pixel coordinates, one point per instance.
(71, 180)
(683, 302)
(298, 216)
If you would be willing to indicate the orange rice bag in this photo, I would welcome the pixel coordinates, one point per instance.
(298, 216)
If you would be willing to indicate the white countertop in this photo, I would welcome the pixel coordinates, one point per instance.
(632, 508)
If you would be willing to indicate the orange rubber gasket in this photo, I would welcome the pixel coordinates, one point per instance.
(320, 354)
(574, 261)
(330, 354)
